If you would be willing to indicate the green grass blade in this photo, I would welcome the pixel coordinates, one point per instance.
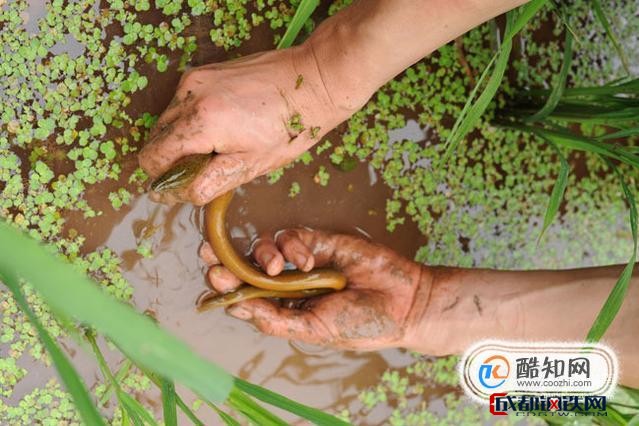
(137, 413)
(70, 292)
(561, 10)
(558, 90)
(303, 12)
(477, 109)
(633, 131)
(603, 19)
(226, 418)
(558, 190)
(523, 15)
(615, 299)
(580, 143)
(70, 377)
(169, 402)
(472, 111)
(134, 407)
(252, 410)
(316, 416)
(189, 413)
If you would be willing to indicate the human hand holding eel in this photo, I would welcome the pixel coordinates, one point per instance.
(374, 311)
(262, 111)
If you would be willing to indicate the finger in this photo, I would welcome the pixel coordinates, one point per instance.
(268, 256)
(282, 322)
(173, 141)
(222, 280)
(294, 250)
(170, 114)
(207, 255)
(223, 173)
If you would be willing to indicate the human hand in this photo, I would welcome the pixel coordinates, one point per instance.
(257, 113)
(376, 310)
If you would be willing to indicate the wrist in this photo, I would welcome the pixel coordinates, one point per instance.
(341, 54)
(428, 330)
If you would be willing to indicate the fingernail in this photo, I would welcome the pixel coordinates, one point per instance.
(266, 258)
(301, 260)
(240, 312)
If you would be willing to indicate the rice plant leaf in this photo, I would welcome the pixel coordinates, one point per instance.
(67, 290)
(70, 377)
(169, 402)
(469, 116)
(189, 413)
(603, 19)
(633, 131)
(580, 143)
(133, 406)
(524, 14)
(137, 413)
(558, 190)
(561, 13)
(558, 89)
(226, 418)
(252, 410)
(303, 12)
(472, 111)
(316, 416)
(615, 298)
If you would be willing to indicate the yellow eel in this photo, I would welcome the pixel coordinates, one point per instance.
(289, 284)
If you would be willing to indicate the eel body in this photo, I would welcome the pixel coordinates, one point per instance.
(288, 284)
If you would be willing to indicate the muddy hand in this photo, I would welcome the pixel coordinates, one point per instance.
(372, 312)
(257, 113)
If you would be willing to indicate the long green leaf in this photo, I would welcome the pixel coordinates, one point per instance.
(615, 299)
(252, 410)
(634, 131)
(277, 400)
(524, 14)
(558, 89)
(226, 418)
(70, 292)
(471, 113)
(189, 413)
(303, 12)
(580, 143)
(136, 412)
(603, 19)
(70, 377)
(169, 402)
(558, 190)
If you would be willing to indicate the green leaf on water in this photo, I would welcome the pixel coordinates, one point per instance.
(303, 12)
(558, 89)
(70, 377)
(615, 299)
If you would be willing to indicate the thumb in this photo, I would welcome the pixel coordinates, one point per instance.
(274, 320)
(220, 174)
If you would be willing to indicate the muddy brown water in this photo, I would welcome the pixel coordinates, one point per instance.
(168, 284)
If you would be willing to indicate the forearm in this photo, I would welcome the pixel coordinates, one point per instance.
(462, 306)
(370, 42)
